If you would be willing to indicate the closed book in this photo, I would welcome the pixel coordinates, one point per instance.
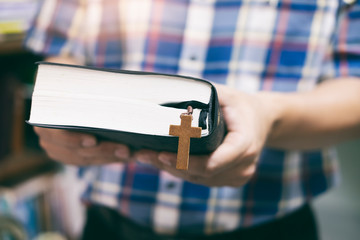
(130, 107)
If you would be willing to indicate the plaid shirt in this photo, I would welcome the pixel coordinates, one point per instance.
(251, 45)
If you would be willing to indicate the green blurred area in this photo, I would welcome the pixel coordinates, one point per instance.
(338, 211)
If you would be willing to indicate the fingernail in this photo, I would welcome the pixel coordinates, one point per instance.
(165, 159)
(144, 158)
(121, 153)
(88, 142)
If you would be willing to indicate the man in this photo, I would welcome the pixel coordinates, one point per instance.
(291, 70)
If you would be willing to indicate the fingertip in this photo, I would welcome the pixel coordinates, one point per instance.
(39, 130)
(143, 157)
(36, 129)
(167, 158)
(88, 141)
(147, 156)
(122, 152)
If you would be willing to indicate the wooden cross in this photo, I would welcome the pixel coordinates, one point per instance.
(184, 132)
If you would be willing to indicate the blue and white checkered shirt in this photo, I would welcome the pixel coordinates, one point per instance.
(251, 45)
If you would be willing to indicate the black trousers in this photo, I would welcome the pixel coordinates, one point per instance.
(107, 224)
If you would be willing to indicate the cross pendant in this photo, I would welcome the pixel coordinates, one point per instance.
(184, 132)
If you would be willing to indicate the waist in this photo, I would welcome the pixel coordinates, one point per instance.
(105, 220)
(283, 182)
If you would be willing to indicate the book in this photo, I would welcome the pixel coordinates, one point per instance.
(130, 107)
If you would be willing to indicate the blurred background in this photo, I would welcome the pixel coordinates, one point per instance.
(38, 197)
(338, 211)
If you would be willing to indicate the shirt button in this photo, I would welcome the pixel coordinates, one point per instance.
(272, 2)
(193, 58)
(170, 185)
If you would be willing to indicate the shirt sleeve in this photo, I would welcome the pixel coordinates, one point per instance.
(344, 56)
(57, 30)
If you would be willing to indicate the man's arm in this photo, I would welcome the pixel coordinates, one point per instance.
(327, 115)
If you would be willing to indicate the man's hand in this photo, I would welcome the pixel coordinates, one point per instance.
(310, 120)
(80, 149)
(249, 120)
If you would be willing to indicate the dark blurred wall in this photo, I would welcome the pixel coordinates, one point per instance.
(16, 72)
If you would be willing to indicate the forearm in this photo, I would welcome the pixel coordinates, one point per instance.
(325, 116)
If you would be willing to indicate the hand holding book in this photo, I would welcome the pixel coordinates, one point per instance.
(233, 163)
(61, 106)
(128, 107)
(291, 121)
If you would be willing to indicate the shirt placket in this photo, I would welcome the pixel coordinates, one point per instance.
(197, 34)
(166, 215)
